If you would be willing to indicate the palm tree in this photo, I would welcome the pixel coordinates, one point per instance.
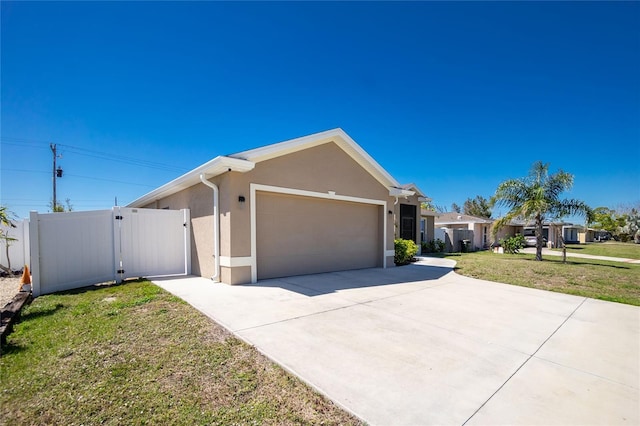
(537, 198)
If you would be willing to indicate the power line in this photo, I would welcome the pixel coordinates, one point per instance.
(93, 153)
(24, 171)
(22, 142)
(110, 180)
(121, 159)
(40, 199)
(82, 177)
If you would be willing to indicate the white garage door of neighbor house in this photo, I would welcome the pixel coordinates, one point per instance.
(298, 235)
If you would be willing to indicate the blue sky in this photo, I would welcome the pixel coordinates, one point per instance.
(453, 96)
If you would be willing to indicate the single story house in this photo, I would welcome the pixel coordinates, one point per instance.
(553, 232)
(314, 204)
(480, 226)
(571, 233)
(589, 235)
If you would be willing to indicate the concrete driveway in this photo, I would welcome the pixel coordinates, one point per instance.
(420, 345)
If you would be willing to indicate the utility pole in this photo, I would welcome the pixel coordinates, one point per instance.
(57, 172)
(55, 155)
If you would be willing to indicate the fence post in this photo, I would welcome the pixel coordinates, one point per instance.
(187, 241)
(117, 243)
(34, 252)
(26, 243)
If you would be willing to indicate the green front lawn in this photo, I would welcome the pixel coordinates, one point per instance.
(609, 248)
(135, 354)
(612, 281)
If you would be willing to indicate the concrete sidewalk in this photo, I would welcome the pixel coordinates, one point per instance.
(419, 345)
(549, 252)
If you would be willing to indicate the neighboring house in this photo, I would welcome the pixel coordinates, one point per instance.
(480, 226)
(579, 234)
(551, 231)
(314, 204)
(591, 235)
(571, 233)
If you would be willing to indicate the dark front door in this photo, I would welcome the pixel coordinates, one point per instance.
(407, 222)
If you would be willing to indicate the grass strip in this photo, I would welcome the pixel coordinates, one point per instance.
(135, 354)
(611, 281)
(609, 248)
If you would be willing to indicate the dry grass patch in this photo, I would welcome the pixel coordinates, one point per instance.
(612, 281)
(134, 354)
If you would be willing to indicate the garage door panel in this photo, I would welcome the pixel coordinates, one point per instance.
(301, 235)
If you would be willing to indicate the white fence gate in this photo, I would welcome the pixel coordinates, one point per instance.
(18, 249)
(76, 249)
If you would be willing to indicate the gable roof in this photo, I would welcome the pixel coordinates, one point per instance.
(453, 217)
(246, 160)
(413, 187)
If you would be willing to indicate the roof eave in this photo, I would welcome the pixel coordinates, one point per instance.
(414, 187)
(215, 167)
(399, 192)
(246, 161)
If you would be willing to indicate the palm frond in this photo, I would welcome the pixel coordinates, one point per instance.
(537, 196)
(572, 207)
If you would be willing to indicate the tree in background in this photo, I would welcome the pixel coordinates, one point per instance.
(455, 208)
(5, 220)
(440, 209)
(427, 205)
(630, 226)
(59, 208)
(606, 219)
(623, 223)
(537, 198)
(479, 207)
(633, 225)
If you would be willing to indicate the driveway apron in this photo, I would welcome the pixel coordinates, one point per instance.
(421, 345)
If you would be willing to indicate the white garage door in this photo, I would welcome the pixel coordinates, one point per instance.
(298, 235)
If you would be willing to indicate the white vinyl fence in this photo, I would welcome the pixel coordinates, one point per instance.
(18, 249)
(76, 249)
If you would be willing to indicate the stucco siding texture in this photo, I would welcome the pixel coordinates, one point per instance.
(321, 168)
(301, 235)
(330, 235)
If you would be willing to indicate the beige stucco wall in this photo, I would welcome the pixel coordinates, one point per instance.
(504, 232)
(478, 234)
(320, 169)
(429, 226)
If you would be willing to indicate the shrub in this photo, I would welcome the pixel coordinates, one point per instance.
(624, 237)
(433, 246)
(513, 244)
(404, 251)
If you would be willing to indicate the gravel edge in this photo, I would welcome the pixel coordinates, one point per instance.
(9, 287)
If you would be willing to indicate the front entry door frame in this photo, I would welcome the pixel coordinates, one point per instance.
(408, 217)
